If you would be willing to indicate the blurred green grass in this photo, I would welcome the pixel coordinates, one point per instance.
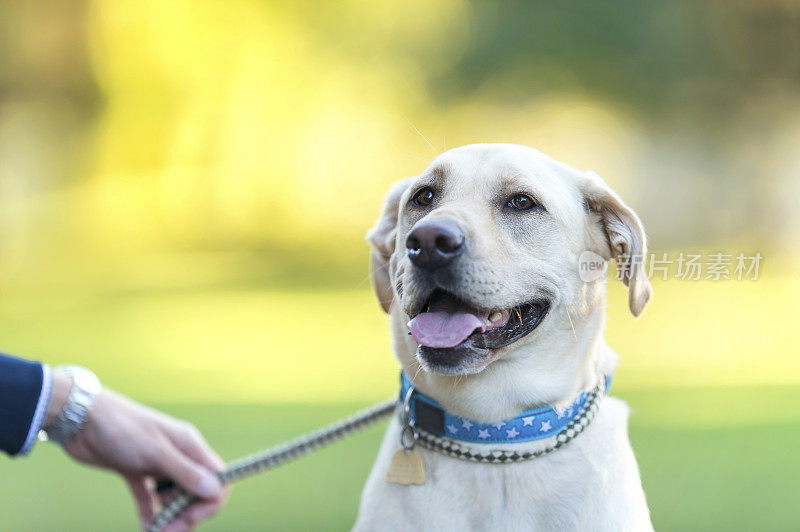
(707, 475)
(709, 371)
(257, 343)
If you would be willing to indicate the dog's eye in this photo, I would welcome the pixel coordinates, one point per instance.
(522, 202)
(423, 197)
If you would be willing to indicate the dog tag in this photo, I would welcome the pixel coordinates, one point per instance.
(406, 468)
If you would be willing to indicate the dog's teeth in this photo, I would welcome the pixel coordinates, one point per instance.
(495, 316)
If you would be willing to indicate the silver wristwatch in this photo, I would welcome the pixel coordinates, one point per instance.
(85, 387)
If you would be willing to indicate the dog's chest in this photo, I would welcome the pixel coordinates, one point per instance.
(492, 496)
(459, 494)
(591, 483)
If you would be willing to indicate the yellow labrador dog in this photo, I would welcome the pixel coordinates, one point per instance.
(478, 262)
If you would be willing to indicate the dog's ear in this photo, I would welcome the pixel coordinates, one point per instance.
(622, 239)
(382, 238)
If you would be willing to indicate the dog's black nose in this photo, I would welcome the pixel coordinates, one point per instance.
(432, 244)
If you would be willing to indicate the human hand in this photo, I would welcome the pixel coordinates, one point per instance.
(144, 445)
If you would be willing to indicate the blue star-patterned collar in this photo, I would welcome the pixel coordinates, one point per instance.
(530, 425)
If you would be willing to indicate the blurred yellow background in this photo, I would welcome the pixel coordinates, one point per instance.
(185, 186)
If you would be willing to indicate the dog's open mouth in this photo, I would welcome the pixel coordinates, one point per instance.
(451, 333)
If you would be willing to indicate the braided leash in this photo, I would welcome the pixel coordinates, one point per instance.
(255, 463)
(275, 456)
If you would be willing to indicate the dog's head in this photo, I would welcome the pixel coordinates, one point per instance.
(477, 257)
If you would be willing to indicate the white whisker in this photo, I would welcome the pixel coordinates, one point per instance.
(421, 135)
(370, 274)
(419, 368)
(569, 317)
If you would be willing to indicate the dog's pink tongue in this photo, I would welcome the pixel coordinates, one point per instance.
(443, 329)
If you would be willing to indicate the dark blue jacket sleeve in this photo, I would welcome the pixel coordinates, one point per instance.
(20, 387)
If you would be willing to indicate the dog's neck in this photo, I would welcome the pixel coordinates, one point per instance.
(549, 370)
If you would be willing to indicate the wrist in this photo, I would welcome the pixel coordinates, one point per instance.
(62, 384)
(67, 416)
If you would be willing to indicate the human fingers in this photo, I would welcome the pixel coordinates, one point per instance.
(190, 475)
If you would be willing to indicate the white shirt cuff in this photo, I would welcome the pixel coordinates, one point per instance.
(41, 409)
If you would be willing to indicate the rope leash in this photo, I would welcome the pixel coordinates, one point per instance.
(275, 456)
(280, 454)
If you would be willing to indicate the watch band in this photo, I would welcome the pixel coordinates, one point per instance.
(85, 387)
